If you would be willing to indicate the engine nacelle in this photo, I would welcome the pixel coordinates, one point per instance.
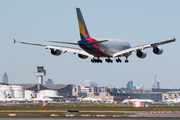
(56, 52)
(82, 56)
(141, 54)
(157, 50)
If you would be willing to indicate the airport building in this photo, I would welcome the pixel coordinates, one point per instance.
(153, 96)
(35, 92)
(172, 95)
(64, 90)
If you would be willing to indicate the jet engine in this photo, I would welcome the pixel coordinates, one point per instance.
(141, 54)
(157, 50)
(56, 52)
(82, 56)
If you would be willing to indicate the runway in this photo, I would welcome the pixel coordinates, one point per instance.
(138, 115)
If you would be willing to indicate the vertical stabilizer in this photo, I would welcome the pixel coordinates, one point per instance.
(82, 26)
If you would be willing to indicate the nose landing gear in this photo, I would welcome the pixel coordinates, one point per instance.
(126, 61)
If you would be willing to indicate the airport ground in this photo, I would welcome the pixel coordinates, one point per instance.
(112, 111)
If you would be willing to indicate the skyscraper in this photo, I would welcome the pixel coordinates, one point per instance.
(5, 78)
(130, 85)
(156, 83)
(87, 82)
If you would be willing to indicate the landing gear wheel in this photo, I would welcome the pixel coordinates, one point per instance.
(118, 60)
(96, 60)
(126, 61)
(109, 60)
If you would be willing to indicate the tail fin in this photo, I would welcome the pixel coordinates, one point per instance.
(165, 98)
(9, 96)
(82, 26)
(32, 96)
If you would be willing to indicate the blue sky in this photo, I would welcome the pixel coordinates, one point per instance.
(138, 22)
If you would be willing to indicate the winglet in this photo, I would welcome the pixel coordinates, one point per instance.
(174, 38)
(14, 41)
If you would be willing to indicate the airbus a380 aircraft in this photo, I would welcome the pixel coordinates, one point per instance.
(101, 48)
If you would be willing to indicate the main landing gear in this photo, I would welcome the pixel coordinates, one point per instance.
(109, 60)
(96, 60)
(118, 60)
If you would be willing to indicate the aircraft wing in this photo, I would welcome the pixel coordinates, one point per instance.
(65, 49)
(129, 50)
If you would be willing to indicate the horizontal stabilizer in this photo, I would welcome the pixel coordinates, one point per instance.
(89, 43)
(64, 42)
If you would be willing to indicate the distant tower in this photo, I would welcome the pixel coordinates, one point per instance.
(5, 78)
(40, 73)
(155, 82)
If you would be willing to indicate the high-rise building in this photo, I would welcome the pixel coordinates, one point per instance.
(156, 83)
(139, 86)
(129, 85)
(5, 78)
(87, 82)
(49, 82)
(93, 84)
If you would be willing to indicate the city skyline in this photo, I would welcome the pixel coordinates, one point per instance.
(138, 22)
(87, 82)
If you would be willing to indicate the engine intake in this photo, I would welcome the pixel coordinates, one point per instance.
(56, 52)
(157, 50)
(141, 54)
(82, 56)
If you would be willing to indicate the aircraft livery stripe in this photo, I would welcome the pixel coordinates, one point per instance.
(82, 31)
